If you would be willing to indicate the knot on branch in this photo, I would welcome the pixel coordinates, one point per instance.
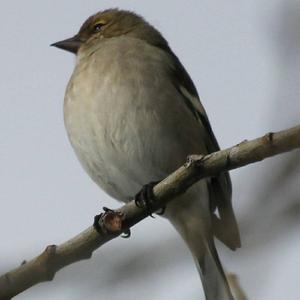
(269, 137)
(23, 262)
(194, 160)
(112, 222)
(48, 255)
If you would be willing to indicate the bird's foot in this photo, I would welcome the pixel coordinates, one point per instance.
(96, 223)
(110, 222)
(145, 198)
(99, 219)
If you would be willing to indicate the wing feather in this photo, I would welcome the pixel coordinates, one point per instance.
(220, 189)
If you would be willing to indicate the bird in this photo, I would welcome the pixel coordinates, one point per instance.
(132, 114)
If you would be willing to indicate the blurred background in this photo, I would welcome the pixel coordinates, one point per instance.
(244, 57)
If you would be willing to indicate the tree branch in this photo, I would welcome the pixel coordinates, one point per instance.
(112, 224)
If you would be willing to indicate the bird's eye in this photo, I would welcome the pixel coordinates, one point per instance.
(97, 27)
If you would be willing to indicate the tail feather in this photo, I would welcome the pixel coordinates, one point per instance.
(202, 247)
(192, 219)
(212, 275)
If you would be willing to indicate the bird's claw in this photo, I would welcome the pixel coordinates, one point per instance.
(126, 234)
(145, 198)
(107, 210)
(98, 218)
(96, 224)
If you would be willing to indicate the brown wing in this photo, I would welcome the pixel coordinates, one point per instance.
(224, 226)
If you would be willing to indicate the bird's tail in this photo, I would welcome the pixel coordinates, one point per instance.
(192, 219)
(211, 272)
(202, 247)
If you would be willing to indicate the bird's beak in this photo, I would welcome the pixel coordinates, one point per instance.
(72, 44)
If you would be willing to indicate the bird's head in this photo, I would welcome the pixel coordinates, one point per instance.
(109, 24)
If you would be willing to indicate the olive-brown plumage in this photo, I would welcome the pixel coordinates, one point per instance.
(133, 114)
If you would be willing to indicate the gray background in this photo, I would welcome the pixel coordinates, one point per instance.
(244, 59)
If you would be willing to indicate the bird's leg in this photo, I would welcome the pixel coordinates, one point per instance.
(144, 198)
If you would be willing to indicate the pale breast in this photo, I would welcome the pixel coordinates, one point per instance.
(127, 122)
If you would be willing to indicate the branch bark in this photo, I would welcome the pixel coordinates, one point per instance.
(112, 224)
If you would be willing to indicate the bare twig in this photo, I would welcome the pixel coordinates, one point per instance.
(44, 267)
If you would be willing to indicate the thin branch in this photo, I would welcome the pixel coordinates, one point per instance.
(112, 224)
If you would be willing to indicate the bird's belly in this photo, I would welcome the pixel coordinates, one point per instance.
(124, 130)
(121, 150)
(106, 148)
